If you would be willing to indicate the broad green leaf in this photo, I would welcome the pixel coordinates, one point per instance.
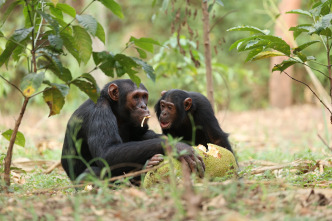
(55, 41)
(54, 99)
(142, 53)
(99, 57)
(88, 22)
(31, 82)
(252, 29)
(144, 43)
(300, 12)
(63, 88)
(5, 55)
(66, 9)
(21, 34)
(266, 41)
(322, 25)
(237, 43)
(127, 63)
(87, 85)
(119, 69)
(135, 79)
(267, 54)
(49, 19)
(85, 43)
(19, 52)
(52, 63)
(284, 65)
(301, 28)
(253, 53)
(19, 140)
(56, 12)
(100, 33)
(71, 45)
(113, 6)
(106, 60)
(147, 68)
(305, 45)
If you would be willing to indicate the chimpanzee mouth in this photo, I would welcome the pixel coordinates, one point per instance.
(165, 125)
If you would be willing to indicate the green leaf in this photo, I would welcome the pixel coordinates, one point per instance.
(135, 79)
(55, 11)
(66, 9)
(303, 46)
(220, 3)
(31, 82)
(4, 57)
(147, 68)
(301, 28)
(253, 53)
(21, 34)
(87, 84)
(322, 25)
(48, 18)
(54, 99)
(284, 65)
(144, 43)
(55, 41)
(142, 53)
(127, 63)
(63, 88)
(71, 45)
(252, 29)
(19, 140)
(266, 41)
(113, 6)
(100, 33)
(85, 43)
(88, 22)
(267, 54)
(52, 63)
(300, 12)
(107, 60)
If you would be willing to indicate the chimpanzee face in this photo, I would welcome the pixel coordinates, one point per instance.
(132, 103)
(167, 114)
(136, 103)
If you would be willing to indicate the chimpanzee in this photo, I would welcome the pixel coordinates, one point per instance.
(114, 132)
(174, 109)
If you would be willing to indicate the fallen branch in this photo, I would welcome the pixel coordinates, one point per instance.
(51, 168)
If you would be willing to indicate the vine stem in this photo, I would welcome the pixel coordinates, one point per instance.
(329, 70)
(8, 158)
(309, 89)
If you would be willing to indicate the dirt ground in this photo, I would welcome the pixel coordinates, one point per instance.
(292, 128)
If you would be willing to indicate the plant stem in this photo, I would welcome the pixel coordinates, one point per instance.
(330, 71)
(207, 53)
(8, 159)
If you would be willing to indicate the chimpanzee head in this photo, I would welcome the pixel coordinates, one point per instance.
(172, 109)
(129, 103)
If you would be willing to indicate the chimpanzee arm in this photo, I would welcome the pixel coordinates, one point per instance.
(150, 135)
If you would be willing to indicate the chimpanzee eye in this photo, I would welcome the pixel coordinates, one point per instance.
(170, 107)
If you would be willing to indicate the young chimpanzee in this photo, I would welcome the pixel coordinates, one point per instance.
(174, 109)
(114, 132)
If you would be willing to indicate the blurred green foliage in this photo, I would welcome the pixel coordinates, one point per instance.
(238, 85)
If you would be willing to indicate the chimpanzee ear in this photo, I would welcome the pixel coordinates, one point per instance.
(187, 103)
(113, 92)
(162, 93)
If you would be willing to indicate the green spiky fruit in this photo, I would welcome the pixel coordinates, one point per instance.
(161, 175)
(218, 162)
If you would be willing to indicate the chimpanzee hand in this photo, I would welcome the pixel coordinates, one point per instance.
(195, 162)
(154, 161)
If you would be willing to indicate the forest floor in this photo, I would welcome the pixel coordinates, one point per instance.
(286, 174)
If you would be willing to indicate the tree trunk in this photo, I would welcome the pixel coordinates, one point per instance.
(207, 53)
(280, 85)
